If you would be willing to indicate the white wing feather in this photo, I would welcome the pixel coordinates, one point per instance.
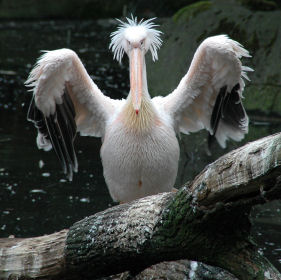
(216, 64)
(56, 69)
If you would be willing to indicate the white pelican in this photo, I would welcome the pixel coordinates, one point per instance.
(140, 150)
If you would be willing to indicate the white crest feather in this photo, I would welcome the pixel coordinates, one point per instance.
(118, 40)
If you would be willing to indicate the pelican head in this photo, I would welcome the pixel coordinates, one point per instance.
(136, 39)
(132, 34)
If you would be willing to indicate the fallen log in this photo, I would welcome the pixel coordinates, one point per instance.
(207, 220)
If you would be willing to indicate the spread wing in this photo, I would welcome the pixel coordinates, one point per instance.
(209, 95)
(65, 100)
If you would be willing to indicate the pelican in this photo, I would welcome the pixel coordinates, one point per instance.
(140, 150)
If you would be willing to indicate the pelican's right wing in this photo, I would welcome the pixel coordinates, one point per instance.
(65, 100)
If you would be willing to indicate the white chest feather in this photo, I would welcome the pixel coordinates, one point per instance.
(140, 156)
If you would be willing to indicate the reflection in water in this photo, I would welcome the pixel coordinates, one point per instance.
(35, 197)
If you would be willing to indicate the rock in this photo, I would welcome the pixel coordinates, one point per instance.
(259, 32)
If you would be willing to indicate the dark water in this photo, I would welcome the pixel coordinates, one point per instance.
(35, 197)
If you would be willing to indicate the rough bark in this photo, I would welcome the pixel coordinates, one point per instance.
(38, 257)
(206, 220)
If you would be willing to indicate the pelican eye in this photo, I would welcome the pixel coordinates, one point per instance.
(142, 42)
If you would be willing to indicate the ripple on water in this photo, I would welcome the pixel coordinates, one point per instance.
(38, 191)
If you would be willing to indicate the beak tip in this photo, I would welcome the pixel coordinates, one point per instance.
(137, 111)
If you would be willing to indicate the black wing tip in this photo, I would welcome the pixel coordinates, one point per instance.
(60, 128)
(217, 110)
(229, 109)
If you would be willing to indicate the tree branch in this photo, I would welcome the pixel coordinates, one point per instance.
(206, 220)
(240, 173)
(38, 257)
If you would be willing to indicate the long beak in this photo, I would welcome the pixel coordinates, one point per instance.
(136, 67)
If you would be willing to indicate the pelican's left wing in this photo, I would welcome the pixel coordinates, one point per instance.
(66, 100)
(209, 95)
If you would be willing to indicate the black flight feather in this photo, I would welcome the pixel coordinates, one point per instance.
(60, 128)
(229, 109)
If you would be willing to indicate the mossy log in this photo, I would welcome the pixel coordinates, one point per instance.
(207, 220)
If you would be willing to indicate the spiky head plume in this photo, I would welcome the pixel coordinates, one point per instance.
(133, 31)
